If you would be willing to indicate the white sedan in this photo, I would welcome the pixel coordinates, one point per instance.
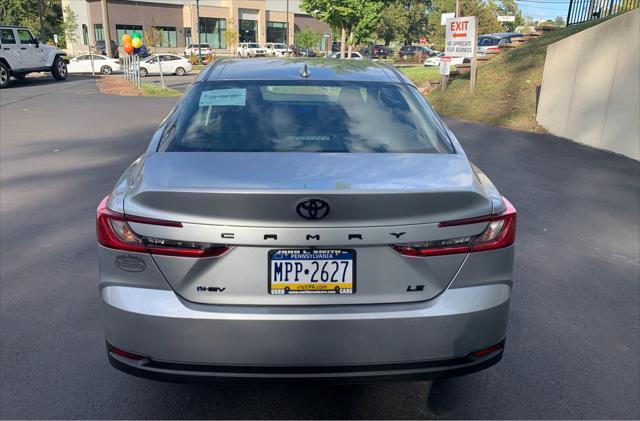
(171, 65)
(101, 64)
(434, 61)
(354, 55)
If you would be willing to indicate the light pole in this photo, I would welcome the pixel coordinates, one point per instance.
(199, 33)
(287, 34)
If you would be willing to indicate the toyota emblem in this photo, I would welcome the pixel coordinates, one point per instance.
(313, 209)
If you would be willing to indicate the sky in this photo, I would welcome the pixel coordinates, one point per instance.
(544, 9)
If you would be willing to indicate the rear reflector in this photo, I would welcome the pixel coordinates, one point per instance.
(486, 351)
(114, 232)
(126, 354)
(500, 232)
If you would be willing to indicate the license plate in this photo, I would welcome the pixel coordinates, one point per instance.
(312, 271)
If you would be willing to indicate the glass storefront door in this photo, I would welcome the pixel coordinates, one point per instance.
(248, 30)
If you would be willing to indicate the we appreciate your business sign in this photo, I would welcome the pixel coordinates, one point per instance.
(461, 36)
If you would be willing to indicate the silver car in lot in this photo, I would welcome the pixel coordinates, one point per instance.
(291, 221)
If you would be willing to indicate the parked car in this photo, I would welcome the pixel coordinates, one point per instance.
(193, 49)
(101, 64)
(101, 48)
(21, 53)
(376, 51)
(276, 49)
(493, 42)
(171, 65)
(143, 52)
(301, 52)
(434, 60)
(409, 51)
(354, 55)
(250, 49)
(230, 249)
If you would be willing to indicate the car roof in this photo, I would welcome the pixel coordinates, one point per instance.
(290, 69)
(2, 25)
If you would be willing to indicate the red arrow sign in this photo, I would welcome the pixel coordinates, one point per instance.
(459, 35)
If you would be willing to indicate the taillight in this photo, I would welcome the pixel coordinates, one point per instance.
(114, 232)
(499, 233)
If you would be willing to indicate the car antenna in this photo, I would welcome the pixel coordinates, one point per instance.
(305, 71)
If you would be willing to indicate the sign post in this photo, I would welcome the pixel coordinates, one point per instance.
(461, 41)
(445, 69)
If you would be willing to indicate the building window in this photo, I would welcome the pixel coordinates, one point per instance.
(97, 29)
(277, 32)
(85, 34)
(126, 29)
(169, 36)
(187, 36)
(212, 32)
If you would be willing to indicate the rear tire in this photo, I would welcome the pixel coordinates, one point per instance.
(106, 70)
(180, 71)
(59, 69)
(143, 72)
(4, 75)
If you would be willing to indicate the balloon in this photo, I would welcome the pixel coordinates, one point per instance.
(136, 35)
(128, 48)
(136, 42)
(136, 51)
(126, 39)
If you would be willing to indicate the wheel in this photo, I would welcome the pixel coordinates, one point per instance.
(180, 71)
(143, 72)
(4, 75)
(20, 76)
(59, 69)
(106, 70)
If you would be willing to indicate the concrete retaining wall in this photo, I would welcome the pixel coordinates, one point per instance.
(591, 86)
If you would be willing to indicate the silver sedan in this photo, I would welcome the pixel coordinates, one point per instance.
(291, 221)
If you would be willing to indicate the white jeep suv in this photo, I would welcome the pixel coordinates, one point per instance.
(21, 54)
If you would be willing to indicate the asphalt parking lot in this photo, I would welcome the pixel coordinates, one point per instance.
(573, 345)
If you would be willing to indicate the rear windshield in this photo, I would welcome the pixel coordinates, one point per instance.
(304, 117)
(485, 42)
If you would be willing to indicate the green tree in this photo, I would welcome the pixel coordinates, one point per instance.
(356, 17)
(25, 13)
(231, 35)
(510, 8)
(69, 26)
(414, 23)
(559, 21)
(308, 38)
(338, 14)
(391, 19)
(368, 12)
(153, 38)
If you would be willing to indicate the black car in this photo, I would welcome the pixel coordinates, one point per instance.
(302, 52)
(101, 48)
(376, 51)
(409, 51)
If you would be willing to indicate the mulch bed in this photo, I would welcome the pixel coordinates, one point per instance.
(116, 85)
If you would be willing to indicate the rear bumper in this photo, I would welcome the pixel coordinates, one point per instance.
(187, 341)
(419, 370)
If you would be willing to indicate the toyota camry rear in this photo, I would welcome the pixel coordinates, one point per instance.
(304, 221)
